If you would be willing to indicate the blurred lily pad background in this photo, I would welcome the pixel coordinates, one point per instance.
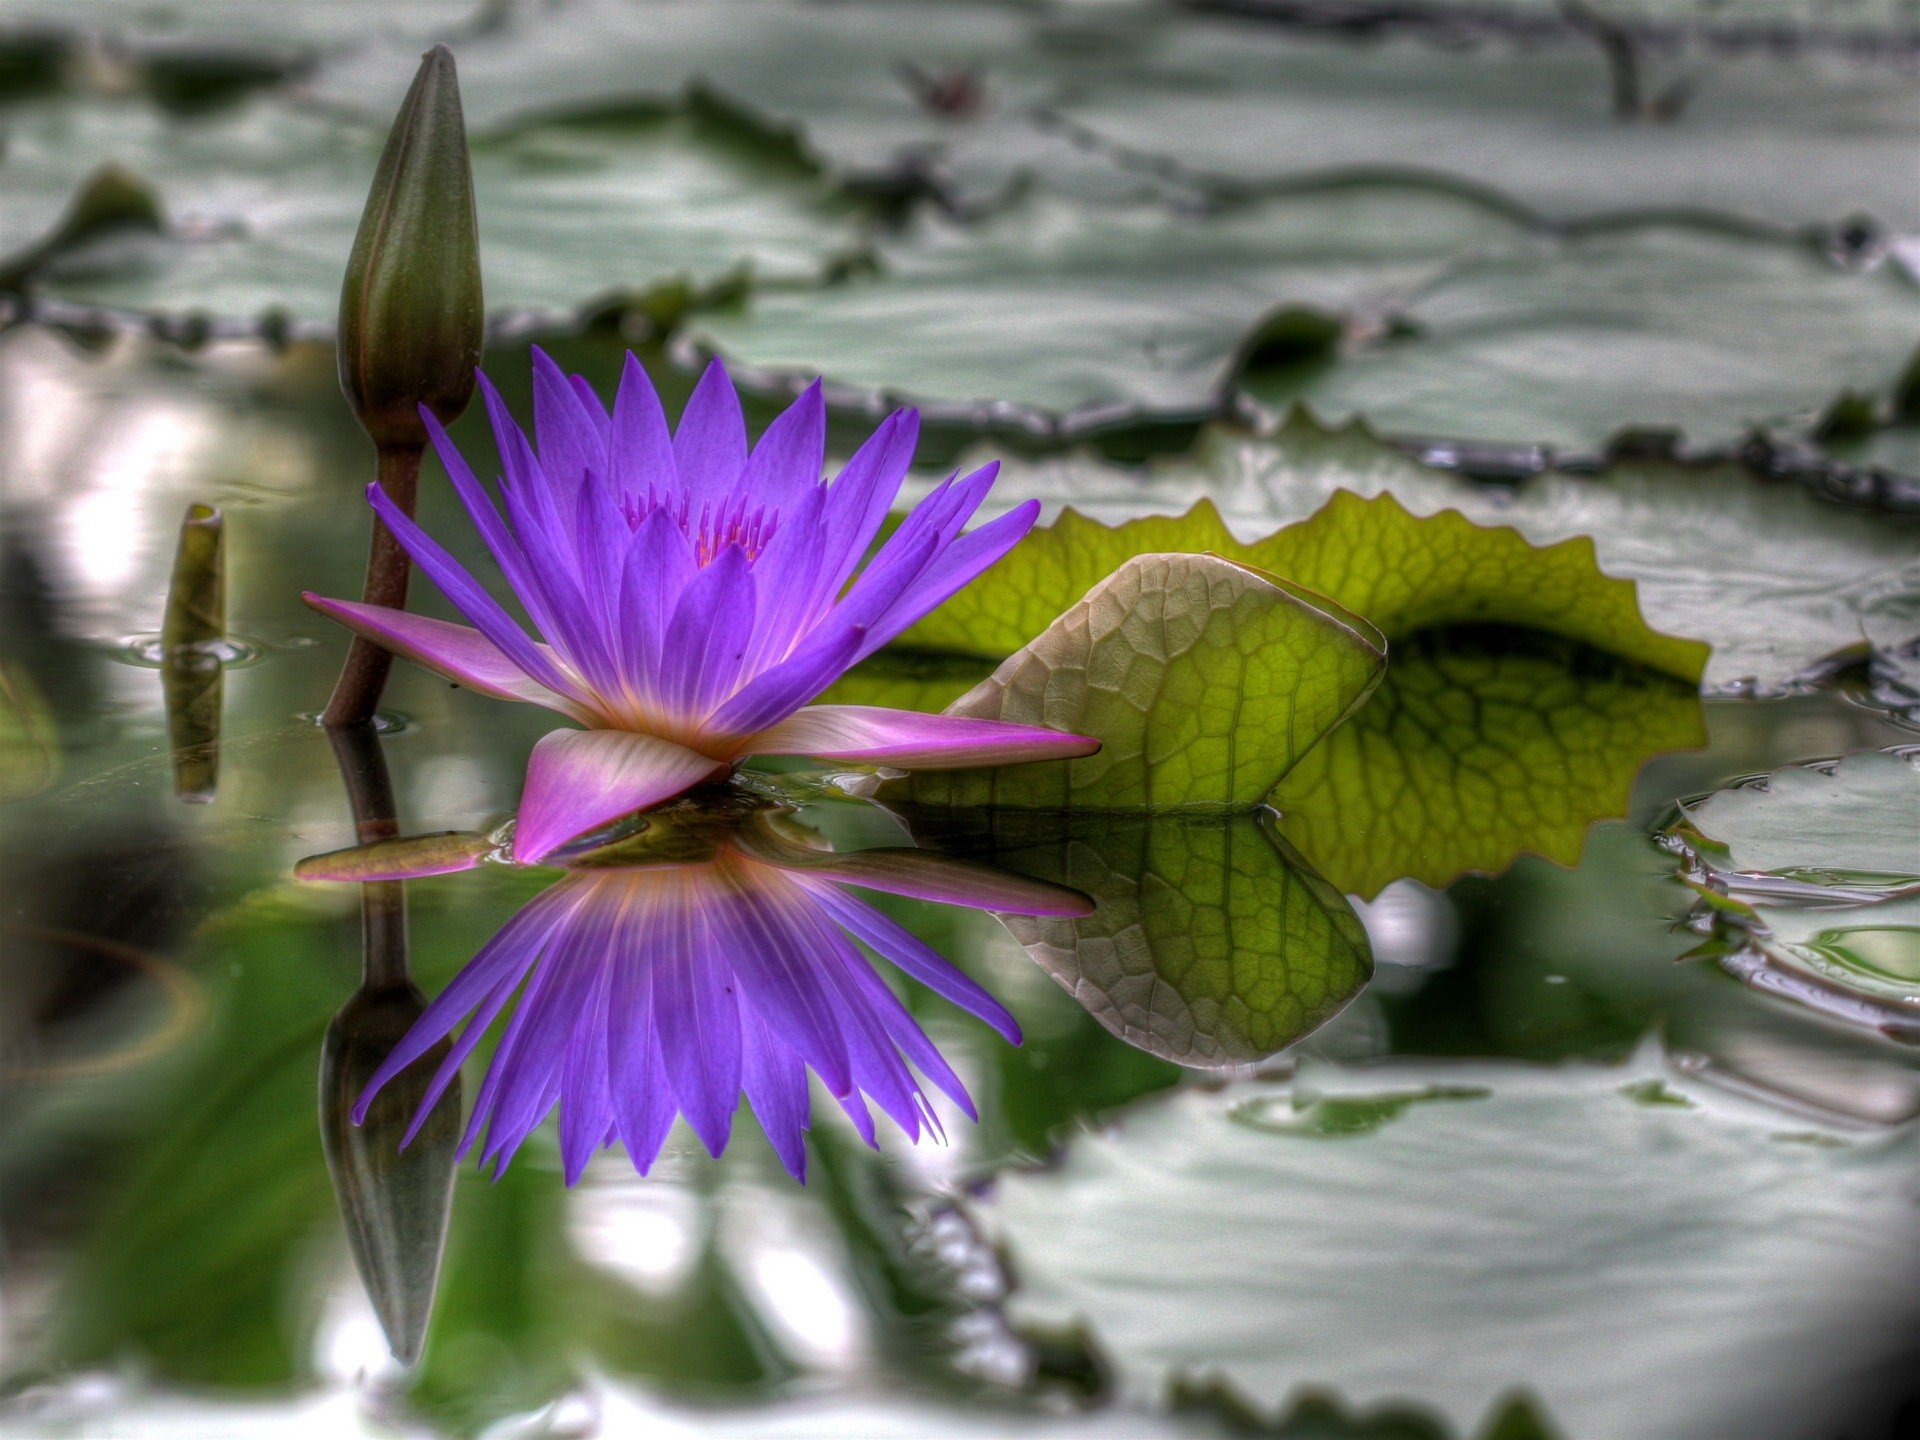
(1530, 1057)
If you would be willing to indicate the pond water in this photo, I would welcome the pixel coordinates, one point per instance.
(1509, 1145)
(1473, 995)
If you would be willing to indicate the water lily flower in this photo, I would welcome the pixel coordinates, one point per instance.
(654, 990)
(693, 594)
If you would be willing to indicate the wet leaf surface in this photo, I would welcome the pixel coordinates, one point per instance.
(1416, 1258)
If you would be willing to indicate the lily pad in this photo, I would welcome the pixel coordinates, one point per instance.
(1211, 943)
(1204, 680)
(1654, 327)
(1242, 108)
(1858, 820)
(1810, 885)
(1776, 579)
(1056, 307)
(1475, 750)
(262, 203)
(1371, 555)
(1459, 1243)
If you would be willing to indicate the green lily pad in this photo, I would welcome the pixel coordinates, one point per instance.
(1242, 108)
(1058, 307)
(1451, 1247)
(216, 26)
(1776, 579)
(1204, 680)
(1653, 327)
(1475, 750)
(1371, 555)
(262, 203)
(1859, 818)
(1211, 943)
(1810, 885)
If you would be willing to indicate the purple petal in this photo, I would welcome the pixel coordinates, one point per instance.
(790, 456)
(697, 1018)
(710, 447)
(502, 960)
(763, 928)
(960, 564)
(570, 442)
(469, 598)
(781, 689)
(586, 1107)
(924, 875)
(858, 501)
(903, 1030)
(579, 780)
(889, 939)
(776, 1084)
(707, 638)
(460, 653)
(913, 741)
(642, 447)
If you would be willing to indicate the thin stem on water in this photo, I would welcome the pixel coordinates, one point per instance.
(356, 694)
(383, 903)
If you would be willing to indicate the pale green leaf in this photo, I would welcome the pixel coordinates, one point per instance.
(1371, 555)
(1469, 755)
(1204, 680)
(1775, 578)
(1458, 1243)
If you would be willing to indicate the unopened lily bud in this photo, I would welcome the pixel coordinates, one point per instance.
(411, 314)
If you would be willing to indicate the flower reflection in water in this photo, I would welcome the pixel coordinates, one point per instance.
(712, 955)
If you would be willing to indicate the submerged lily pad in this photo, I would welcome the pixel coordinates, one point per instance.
(262, 203)
(1211, 943)
(1203, 679)
(1462, 1243)
(1060, 308)
(1776, 579)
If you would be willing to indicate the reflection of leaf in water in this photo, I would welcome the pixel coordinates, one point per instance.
(1459, 1245)
(1212, 943)
(1203, 679)
(29, 743)
(195, 1263)
(1477, 748)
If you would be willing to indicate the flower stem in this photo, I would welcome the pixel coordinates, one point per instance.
(364, 676)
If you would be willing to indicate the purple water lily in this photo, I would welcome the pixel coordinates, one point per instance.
(694, 594)
(653, 991)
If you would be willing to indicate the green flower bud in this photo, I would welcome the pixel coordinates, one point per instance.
(411, 314)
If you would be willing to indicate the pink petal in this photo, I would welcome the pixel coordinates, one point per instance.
(579, 780)
(459, 652)
(912, 741)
